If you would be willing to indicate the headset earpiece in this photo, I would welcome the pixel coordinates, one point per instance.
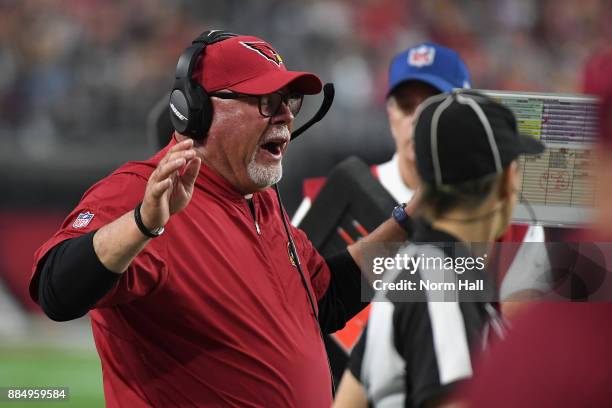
(190, 107)
(207, 111)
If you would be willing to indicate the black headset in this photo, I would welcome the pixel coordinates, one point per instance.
(190, 108)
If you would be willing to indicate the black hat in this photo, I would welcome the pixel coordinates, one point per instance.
(465, 136)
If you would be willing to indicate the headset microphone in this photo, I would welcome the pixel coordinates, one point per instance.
(328, 98)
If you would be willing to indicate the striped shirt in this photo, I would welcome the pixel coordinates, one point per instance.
(415, 350)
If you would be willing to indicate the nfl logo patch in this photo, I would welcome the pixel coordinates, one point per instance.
(82, 220)
(421, 56)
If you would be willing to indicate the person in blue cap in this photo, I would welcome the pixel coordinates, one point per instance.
(415, 74)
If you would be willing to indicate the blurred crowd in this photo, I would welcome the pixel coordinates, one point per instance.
(89, 71)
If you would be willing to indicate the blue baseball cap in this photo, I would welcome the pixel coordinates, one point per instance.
(433, 64)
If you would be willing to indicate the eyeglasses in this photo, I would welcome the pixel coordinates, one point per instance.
(269, 104)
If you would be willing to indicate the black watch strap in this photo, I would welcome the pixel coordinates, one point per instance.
(403, 219)
(149, 233)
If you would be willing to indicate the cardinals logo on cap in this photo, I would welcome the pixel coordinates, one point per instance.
(421, 56)
(264, 50)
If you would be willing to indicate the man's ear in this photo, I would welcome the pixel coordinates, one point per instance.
(510, 180)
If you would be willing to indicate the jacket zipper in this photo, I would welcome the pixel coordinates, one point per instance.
(254, 214)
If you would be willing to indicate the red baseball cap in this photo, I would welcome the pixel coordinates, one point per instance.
(249, 65)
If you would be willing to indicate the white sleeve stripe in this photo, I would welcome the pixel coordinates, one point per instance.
(450, 341)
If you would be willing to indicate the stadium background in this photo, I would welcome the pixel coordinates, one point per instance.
(80, 78)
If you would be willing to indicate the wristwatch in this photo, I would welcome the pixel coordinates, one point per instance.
(154, 233)
(403, 219)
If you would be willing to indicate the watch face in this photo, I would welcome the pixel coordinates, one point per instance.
(398, 212)
(403, 219)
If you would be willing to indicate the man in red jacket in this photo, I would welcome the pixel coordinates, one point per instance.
(197, 294)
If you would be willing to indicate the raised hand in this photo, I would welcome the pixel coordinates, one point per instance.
(170, 186)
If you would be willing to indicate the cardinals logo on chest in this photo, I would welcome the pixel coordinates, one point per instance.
(291, 257)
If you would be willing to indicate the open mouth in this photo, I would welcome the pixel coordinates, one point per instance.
(274, 147)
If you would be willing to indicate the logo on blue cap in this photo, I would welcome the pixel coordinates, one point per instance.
(438, 66)
(421, 56)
